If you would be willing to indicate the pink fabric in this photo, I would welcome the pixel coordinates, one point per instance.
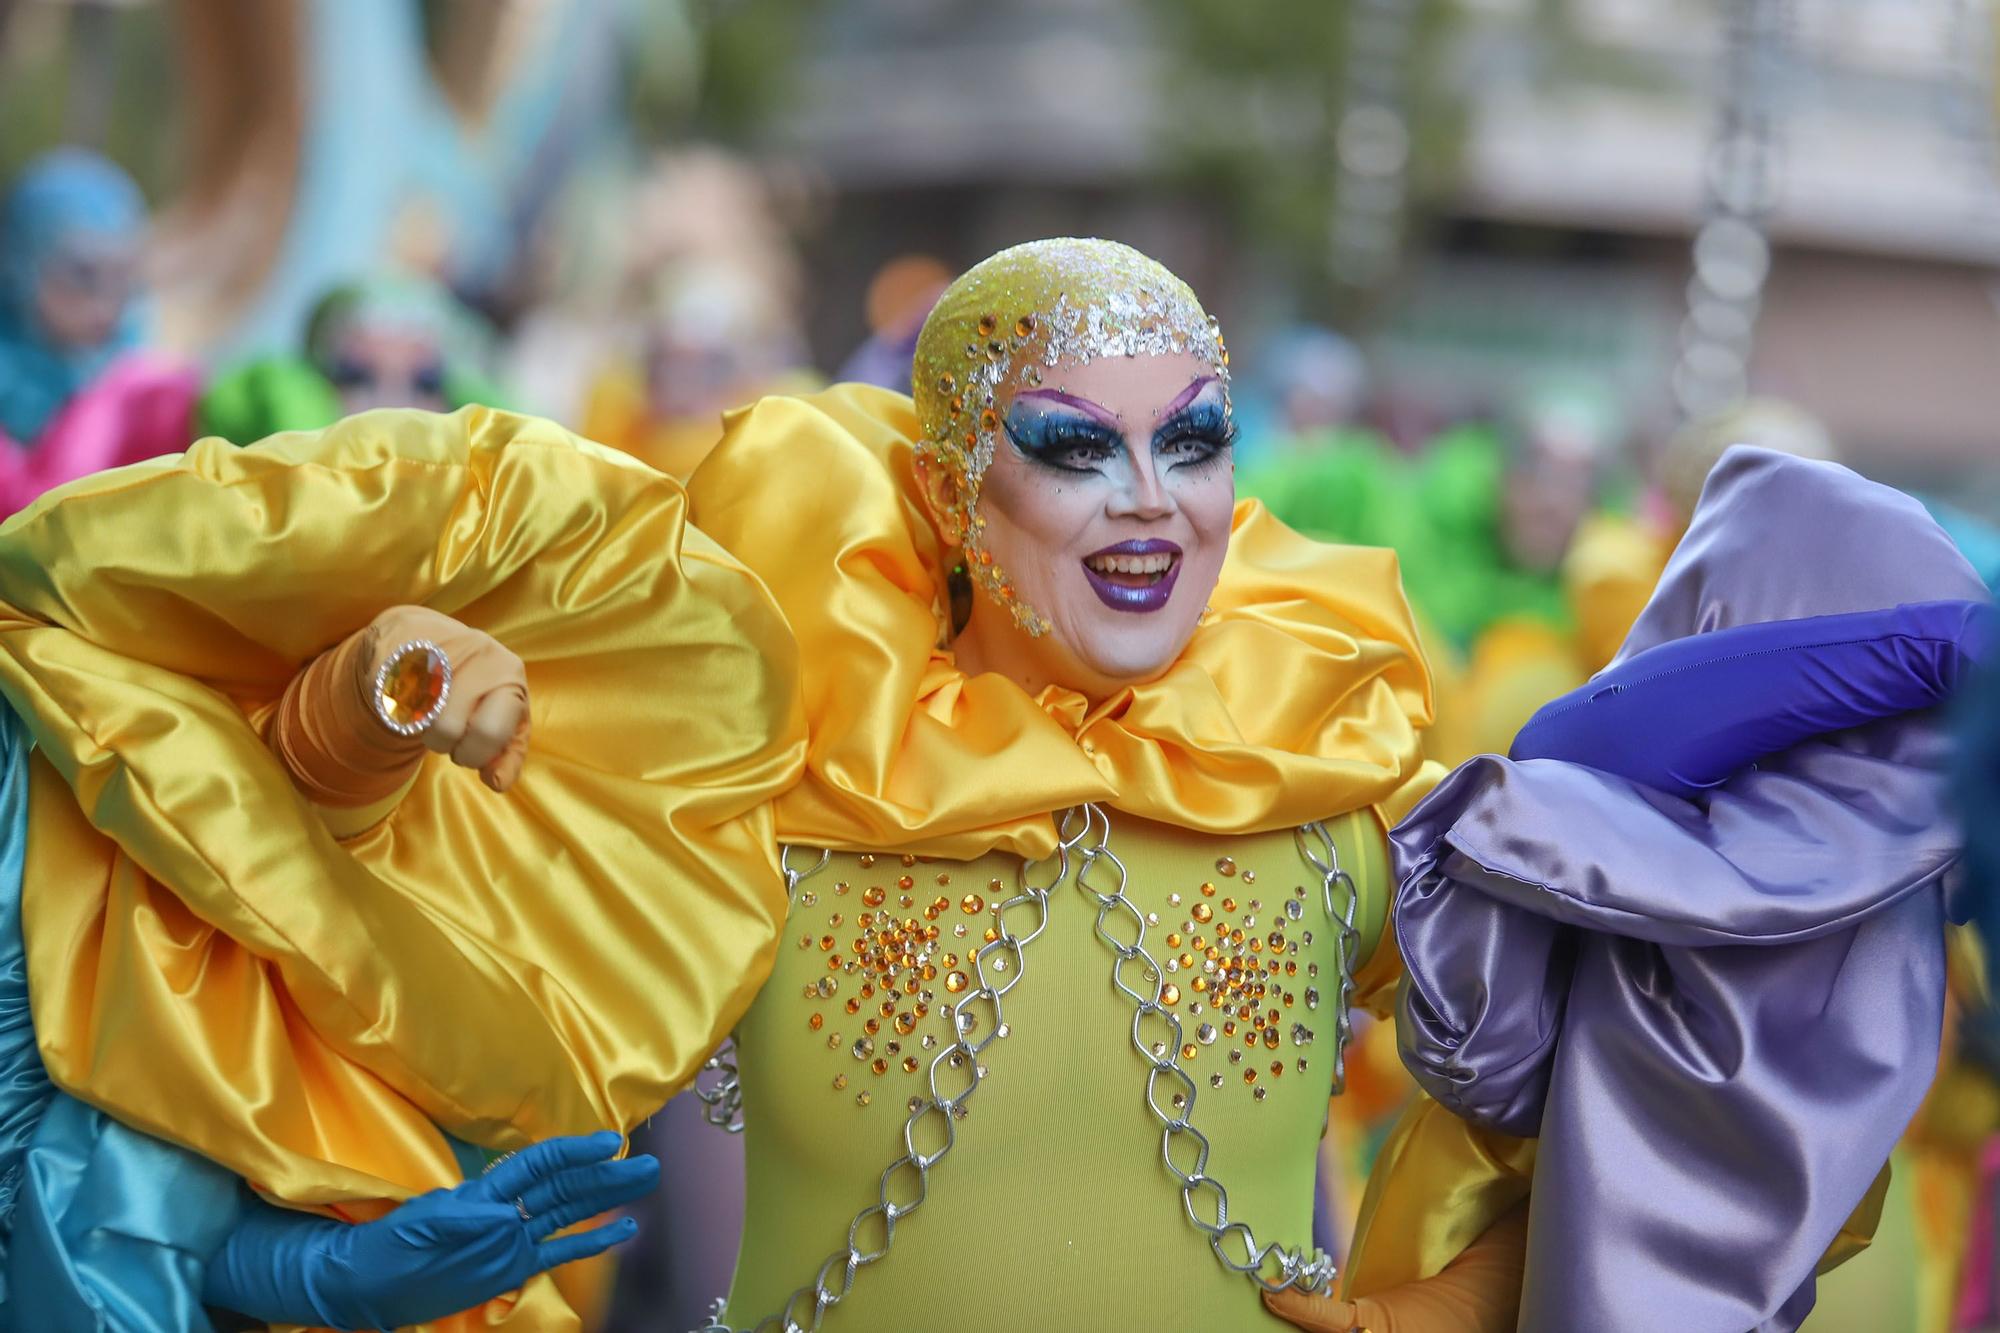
(142, 407)
(1977, 1304)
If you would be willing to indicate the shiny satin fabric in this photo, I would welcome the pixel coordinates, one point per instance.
(1687, 715)
(113, 1229)
(211, 966)
(1300, 695)
(101, 1228)
(1718, 1015)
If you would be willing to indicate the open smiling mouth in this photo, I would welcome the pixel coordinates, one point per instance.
(1134, 575)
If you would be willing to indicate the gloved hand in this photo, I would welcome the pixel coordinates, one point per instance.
(438, 1254)
(1478, 1292)
(1687, 715)
(340, 755)
(484, 724)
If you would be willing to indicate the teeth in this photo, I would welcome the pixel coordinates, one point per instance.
(1131, 564)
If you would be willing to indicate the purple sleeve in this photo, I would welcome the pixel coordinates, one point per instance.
(1717, 1011)
(1686, 714)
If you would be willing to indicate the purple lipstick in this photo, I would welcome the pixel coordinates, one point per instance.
(1134, 576)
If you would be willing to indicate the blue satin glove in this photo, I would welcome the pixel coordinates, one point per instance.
(1685, 716)
(438, 1254)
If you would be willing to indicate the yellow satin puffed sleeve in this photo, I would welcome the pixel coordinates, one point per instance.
(209, 964)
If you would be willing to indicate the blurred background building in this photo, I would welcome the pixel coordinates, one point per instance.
(1476, 191)
(1486, 267)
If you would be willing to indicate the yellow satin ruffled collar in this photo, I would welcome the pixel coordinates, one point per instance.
(1299, 697)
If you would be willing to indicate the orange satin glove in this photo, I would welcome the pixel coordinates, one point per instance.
(1478, 1292)
(341, 756)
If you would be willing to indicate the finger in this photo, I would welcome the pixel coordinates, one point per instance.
(568, 1249)
(461, 1225)
(560, 1202)
(447, 729)
(510, 1179)
(1316, 1314)
(492, 725)
(505, 770)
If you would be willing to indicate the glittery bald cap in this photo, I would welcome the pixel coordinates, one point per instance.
(1016, 316)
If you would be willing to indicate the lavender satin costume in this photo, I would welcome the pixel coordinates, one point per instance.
(1718, 1013)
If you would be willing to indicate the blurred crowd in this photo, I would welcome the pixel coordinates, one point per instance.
(644, 302)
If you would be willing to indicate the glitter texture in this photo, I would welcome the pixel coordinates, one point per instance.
(1001, 327)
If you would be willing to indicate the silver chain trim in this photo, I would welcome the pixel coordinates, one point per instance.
(955, 1075)
(980, 1007)
(722, 1099)
(1326, 859)
(1298, 1267)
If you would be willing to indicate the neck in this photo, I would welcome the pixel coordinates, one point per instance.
(992, 642)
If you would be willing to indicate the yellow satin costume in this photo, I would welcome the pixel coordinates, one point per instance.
(211, 965)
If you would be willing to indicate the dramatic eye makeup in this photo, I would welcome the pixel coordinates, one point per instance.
(1066, 439)
(1064, 434)
(1199, 433)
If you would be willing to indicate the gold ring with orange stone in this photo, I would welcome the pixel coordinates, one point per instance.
(411, 687)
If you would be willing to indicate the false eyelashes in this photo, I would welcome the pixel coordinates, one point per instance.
(1073, 442)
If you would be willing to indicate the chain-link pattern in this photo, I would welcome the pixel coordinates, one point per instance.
(1201, 1193)
(1315, 844)
(722, 1098)
(1272, 1266)
(955, 1075)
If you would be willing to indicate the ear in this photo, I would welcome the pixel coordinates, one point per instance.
(944, 499)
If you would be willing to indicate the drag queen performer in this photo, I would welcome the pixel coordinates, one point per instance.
(1038, 925)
